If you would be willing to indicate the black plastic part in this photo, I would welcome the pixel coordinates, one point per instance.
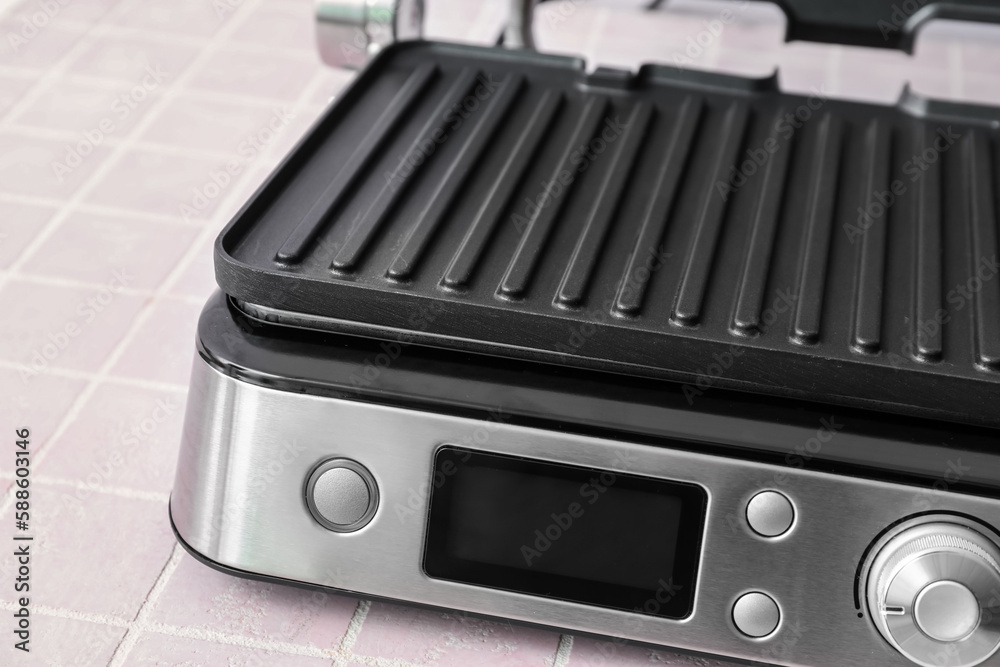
(909, 450)
(718, 231)
(878, 23)
(480, 532)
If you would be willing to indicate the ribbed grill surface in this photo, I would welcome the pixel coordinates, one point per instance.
(651, 224)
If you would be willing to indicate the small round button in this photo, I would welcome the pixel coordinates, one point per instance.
(947, 611)
(756, 615)
(770, 514)
(342, 495)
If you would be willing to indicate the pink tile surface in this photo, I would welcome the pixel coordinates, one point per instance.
(180, 17)
(275, 75)
(197, 280)
(36, 402)
(119, 567)
(90, 112)
(34, 46)
(71, 642)
(231, 127)
(123, 437)
(200, 598)
(12, 89)
(124, 58)
(426, 637)
(78, 14)
(153, 182)
(46, 167)
(171, 326)
(49, 326)
(89, 246)
(281, 24)
(157, 650)
(117, 591)
(19, 224)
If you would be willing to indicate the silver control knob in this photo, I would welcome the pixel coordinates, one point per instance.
(349, 32)
(933, 592)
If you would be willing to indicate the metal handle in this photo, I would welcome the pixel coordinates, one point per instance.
(349, 32)
(518, 34)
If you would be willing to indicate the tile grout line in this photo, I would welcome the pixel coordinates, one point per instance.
(105, 209)
(140, 318)
(116, 379)
(70, 136)
(225, 638)
(189, 632)
(136, 627)
(120, 491)
(98, 619)
(173, 88)
(212, 226)
(345, 649)
(69, 283)
(81, 400)
(133, 634)
(54, 71)
(563, 651)
(168, 282)
(24, 103)
(203, 634)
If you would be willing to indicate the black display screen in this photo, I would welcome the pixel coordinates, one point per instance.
(601, 537)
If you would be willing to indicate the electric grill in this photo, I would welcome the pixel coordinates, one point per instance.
(668, 356)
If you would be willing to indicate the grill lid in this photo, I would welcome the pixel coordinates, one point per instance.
(682, 225)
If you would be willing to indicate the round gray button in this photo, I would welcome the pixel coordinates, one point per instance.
(756, 615)
(770, 514)
(947, 611)
(342, 495)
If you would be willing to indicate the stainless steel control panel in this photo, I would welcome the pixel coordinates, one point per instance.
(335, 493)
